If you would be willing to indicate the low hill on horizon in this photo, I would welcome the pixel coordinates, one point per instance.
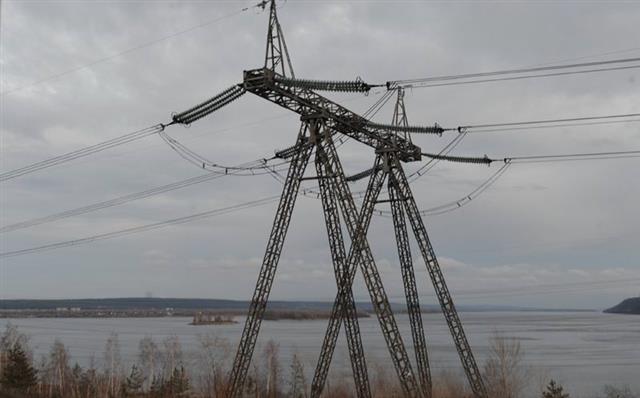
(161, 303)
(627, 306)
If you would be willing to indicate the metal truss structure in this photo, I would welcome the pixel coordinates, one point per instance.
(321, 120)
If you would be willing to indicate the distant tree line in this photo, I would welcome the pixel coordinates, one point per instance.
(160, 370)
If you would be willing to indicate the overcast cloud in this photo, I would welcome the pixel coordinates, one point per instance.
(573, 222)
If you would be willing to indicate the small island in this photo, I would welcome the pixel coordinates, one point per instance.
(201, 318)
(627, 306)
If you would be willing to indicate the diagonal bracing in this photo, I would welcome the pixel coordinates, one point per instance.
(269, 265)
(339, 257)
(369, 270)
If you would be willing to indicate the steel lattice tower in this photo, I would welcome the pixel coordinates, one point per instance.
(322, 120)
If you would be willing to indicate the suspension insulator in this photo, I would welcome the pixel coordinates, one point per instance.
(435, 129)
(211, 105)
(357, 86)
(460, 159)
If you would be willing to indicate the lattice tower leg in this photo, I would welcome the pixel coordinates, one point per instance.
(369, 270)
(269, 265)
(333, 328)
(474, 376)
(410, 290)
(339, 257)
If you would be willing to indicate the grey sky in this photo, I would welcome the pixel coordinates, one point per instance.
(573, 222)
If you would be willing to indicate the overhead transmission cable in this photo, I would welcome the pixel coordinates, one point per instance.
(477, 128)
(537, 158)
(507, 162)
(499, 79)
(126, 198)
(463, 201)
(123, 139)
(126, 51)
(573, 156)
(549, 126)
(180, 220)
(216, 171)
(192, 114)
(144, 228)
(258, 167)
(450, 79)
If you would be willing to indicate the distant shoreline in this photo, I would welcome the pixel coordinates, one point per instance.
(138, 307)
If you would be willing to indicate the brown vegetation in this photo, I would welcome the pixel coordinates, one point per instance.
(161, 371)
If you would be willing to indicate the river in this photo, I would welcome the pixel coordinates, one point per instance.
(582, 350)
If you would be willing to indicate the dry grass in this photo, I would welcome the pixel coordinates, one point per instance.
(162, 371)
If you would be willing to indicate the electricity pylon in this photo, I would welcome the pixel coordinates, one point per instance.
(321, 119)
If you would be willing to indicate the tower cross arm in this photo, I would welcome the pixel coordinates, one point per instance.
(307, 103)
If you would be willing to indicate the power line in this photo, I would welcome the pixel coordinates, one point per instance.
(547, 121)
(511, 71)
(421, 85)
(573, 156)
(463, 201)
(548, 126)
(143, 228)
(257, 167)
(126, 51)
(121, 200)
(538, 158)
(124, 139)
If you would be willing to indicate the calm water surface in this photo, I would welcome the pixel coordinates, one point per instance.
(582, 350)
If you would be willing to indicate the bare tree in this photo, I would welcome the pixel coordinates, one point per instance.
(297, 380)
(505, 372)
(617, 392)
(171, 356)
(113, 364)
(271, 353)
(213, 356)
(148, 355)
(57, 369)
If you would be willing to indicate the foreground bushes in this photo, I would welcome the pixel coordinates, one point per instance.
(161, 371)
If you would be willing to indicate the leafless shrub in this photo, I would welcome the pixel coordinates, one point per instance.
(505, 373)
(274, 371)
(383, 384)
(56, 371)
(450, 385)
(213, 360)
(297, 379)
(113, 365)
(171, 356)
(339, 389)
(618, 392)
(148, 356)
